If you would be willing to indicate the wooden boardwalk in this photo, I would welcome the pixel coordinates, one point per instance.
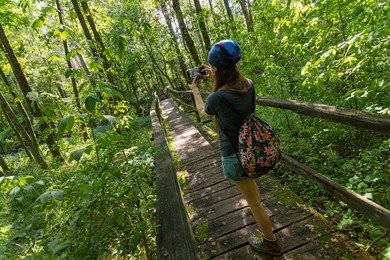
(221, 221)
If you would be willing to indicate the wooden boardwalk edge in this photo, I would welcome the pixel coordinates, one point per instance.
(173, 227)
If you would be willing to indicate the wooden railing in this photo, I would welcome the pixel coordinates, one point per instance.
(173, 226)
(370, 209)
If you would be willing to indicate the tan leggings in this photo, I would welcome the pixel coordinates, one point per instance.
(250, 191)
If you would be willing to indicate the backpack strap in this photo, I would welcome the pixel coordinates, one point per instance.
(226, 103)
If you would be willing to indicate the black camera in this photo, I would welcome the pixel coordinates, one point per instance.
(191, 73)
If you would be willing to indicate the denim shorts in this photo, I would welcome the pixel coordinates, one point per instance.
(232, 168)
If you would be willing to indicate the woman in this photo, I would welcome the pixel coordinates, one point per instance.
(239, 92)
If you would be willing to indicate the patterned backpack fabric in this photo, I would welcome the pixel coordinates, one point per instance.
(258, 144)
(258, 147)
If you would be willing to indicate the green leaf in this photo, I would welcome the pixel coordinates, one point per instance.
(64, 36)
(70, 31)
(68, 73)
(66, 123)
(112, 119)
(120, 219)
(71, 54)
(84, 187)
(83, 116)
(54, 58)
(76, 155)
(306, 68)
(88, 149)
(57, 194)
(14, 191)
(28, 188)
(45, 197)
(104, 84)
(90, 102)
(37, 23)
(40, 183)
(118, 94)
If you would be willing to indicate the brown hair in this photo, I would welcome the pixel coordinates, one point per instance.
(230, 79)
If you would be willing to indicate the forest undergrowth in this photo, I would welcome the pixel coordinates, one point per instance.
(100, 204)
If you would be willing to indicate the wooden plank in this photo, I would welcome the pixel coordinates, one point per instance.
(191, 194)
(214, 198)
(370, 209)
(216, 210)
(202, 213)
(280, 216)
(196, 194)
(171, 216)
(201, 162)
(310, 251)
(199, 181)
(233, 245)
(211, 154)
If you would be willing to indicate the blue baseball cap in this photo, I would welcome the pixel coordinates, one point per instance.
(224, 54)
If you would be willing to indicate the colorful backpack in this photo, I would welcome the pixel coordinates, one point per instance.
(258, 144)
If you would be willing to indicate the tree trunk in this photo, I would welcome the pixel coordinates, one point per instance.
(153, 59)
(96, 35)
(216, 34)
(244, 9)
(19, 137)
(3, 164)
(168, 20)
(228, 10)
(25, 87)
(66, 49)
(70, 67)
(184, 31)
(211, 5)
(147, 83)
(84, 26)
(27, 138)
(30, 127)
(135, 94)
(202, 25)
(250, 16)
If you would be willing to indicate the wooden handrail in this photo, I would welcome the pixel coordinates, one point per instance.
(370, 209)
(346, 116)
(172, 222)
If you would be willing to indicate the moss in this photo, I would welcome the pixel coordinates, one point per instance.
(201, 233)
(181, 178)
(284, 195)
(175, 156)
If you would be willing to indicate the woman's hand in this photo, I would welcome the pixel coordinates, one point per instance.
(194, 84)
(198, 76)
(208, 70)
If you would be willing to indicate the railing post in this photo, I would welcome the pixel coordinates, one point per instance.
(196, 110)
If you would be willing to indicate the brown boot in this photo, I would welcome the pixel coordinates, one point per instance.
(261, 244)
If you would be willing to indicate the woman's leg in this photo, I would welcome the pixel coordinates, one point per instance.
(250, 191)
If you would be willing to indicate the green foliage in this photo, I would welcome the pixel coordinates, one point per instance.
(332, 52)
(102, 205)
